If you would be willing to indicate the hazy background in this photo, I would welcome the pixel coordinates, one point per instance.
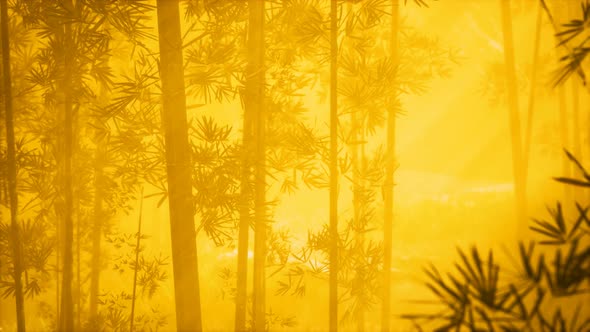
(453, 183)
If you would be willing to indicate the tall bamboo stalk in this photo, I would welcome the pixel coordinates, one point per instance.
(514, 119)
(178, 169)
(255, 55)
(245, 192)
(78, 270)
(576, 129)
(389, 182)
(531, 103)
(67, 305)
(244, 228)
(333, 307)
(572, 11)
(357, 188)
(58, 240)
(97, 227)
(11, 154)
(136, 266)
(565, 142)
(561, 101)
(356, 138)
(98, 216)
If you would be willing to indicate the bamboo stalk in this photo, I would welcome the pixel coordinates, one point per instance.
(256, 61)
(333, 307)
(388, 193)
(514, 119)
(531, 102)
(12, 171)
(136, 266)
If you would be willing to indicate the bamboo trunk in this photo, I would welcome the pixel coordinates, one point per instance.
(566, 168)
(333, 307)
(358, 215)
(100, 158)
(576, 130)
(572, 11)
(78, 270)
(257, 79)
(67, 305)
(514, 119)
(245, 194)
(97, 228)
(358, 222)
(178, 164)
(244, 228)
(531, 103)
(57, 265)
(136, 266)
(11, 154)
(389, 183)
(564, 136)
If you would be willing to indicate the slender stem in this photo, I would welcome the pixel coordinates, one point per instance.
(572, 9)
(576, 130)
(136, 266)
(67, 308)
(531, 104)
(333, 308)
(79, 282)
(57, 265)
(256, 90)
(514, 119)
(11, 151)
(97, 228)
(244, 226)
(566, 168)
(389, 181)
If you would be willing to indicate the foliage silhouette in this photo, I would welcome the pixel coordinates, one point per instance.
(573, 60)
(483, 295)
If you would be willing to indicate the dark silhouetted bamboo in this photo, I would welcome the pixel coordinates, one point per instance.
(333, 307)
(514, 119)
(11, 154)
(256, 90)
(178, 164)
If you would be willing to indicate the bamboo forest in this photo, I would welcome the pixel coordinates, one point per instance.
(295, 165)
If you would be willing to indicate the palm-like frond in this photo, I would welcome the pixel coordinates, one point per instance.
(569, 271)
(420, 3)
(482, 277)
(572, 64)
(582, 183)
(577, 54)
(476, 300)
